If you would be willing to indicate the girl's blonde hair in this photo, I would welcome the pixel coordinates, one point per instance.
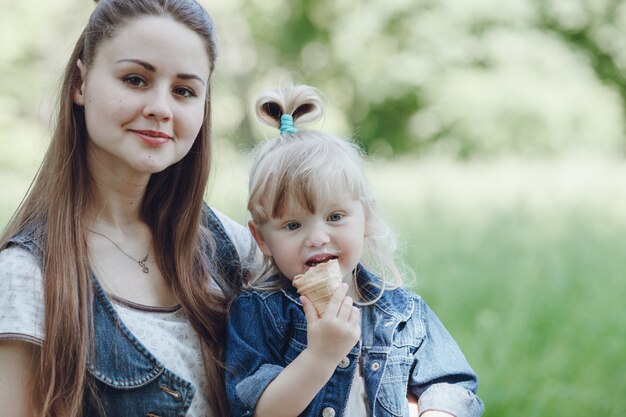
(307, 167)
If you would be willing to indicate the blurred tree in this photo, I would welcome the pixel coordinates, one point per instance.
(467, 79)
(595, 28)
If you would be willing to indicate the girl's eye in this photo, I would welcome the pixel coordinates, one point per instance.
(335, 217)
(292, 226)
(134, 81)
(184, 92)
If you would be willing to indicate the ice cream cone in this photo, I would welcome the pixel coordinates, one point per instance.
(319, 283)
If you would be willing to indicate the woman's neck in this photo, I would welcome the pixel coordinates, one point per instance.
(117, 194)
(117, 201)
(113, 209)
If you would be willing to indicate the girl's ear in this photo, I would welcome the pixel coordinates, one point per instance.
(258, 236)
(79, 97)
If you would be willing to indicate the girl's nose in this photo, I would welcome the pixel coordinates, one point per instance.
(317, 237)
(158, 105)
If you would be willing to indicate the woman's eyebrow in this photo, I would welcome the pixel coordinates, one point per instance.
(144, 64)
(190, 77)
(152, 68)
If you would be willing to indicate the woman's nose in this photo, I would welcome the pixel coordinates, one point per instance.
(158, 105)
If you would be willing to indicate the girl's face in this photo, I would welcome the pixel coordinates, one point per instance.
(144, 96)
(299, 240)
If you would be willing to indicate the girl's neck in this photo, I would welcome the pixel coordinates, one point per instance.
(353, 291)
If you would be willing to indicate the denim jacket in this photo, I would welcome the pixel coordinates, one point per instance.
(128, 379)
(403, 347)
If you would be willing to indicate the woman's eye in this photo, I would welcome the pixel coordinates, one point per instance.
(335, 217)
(135, 81)
(184, 92)
(292, 226)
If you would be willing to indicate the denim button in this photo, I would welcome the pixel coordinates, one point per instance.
(344, 363)
(328, 412)
(375, 366)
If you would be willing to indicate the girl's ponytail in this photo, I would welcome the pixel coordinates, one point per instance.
(302, 102)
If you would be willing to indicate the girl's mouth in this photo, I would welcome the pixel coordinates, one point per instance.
(319, 259)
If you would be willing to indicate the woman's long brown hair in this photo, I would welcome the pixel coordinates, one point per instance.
(59, 199)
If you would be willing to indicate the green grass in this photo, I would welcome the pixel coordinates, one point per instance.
(536, 304)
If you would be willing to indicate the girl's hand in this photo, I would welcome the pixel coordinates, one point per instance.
(331, 337)
(414, 410)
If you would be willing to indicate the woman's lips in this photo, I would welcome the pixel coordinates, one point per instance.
(152, 137)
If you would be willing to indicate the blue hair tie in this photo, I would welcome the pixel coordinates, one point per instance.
(286, 124)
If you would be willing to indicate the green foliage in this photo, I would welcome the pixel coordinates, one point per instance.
(476, 79)
(378, 130)
(471, 80)
(290, 37)
(596, 32)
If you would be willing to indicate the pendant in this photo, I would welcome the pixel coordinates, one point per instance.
(143, 266)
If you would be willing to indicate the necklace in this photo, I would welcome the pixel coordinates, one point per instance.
(141, 262)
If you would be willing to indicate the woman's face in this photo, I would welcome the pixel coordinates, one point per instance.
(144, 96)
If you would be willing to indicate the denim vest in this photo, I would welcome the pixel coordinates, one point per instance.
(129, 380)
(403, 347)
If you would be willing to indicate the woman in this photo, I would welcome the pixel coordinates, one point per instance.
(114, 276)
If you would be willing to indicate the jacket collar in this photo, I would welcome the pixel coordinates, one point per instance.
(394, 302)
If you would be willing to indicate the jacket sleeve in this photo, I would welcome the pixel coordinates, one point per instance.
(253, 357)
(442, 379)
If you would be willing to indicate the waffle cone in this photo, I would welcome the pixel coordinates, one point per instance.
(319, 283)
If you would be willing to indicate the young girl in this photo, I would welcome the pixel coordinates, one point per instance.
(114, 274)
(310, 202)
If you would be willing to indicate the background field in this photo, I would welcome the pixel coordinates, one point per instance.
(496, 131)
